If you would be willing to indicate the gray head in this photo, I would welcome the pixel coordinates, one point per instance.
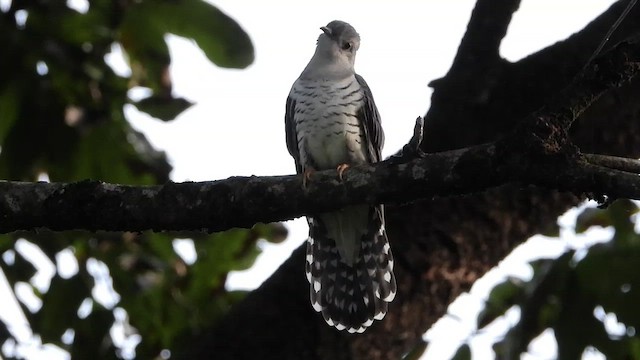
(343, 35)
(335, 50)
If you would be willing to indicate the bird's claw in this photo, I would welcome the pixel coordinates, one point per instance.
(306, 176)
(341, 169)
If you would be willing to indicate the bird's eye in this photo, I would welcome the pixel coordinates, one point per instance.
(346, 45)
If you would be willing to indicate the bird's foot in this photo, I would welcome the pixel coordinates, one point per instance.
(306, 176)
(341, 169)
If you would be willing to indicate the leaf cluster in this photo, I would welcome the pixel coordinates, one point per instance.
(62, 115)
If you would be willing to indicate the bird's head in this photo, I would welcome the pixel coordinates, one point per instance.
(339, 42)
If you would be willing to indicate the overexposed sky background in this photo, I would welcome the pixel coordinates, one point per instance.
(237, 124)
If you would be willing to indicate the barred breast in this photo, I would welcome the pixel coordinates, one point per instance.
(328, 131)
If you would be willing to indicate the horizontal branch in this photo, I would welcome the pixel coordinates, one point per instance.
(614, 162)
(544, 160)
(244, 201)
(219, 205)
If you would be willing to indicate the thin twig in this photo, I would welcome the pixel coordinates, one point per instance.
(611, 30)
(614, 162)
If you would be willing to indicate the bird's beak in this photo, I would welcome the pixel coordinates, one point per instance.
(326, 30)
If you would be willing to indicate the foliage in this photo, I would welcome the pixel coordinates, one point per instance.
(61, 114)
(571, 294)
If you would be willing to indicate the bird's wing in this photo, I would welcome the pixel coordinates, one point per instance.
(291, 133)
(370, 120)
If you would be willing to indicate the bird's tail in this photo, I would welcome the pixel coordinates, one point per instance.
(351, 296)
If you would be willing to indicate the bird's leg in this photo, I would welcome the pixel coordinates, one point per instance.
(306, 175)
(341, 169)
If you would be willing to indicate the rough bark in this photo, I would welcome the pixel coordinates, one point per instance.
(244, 201)
(444, 244)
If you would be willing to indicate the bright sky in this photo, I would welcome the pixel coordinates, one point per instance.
(237, 124)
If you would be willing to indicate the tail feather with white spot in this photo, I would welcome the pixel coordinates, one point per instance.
(352, 296)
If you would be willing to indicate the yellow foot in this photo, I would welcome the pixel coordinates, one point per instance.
(306, 176)
(341, 169)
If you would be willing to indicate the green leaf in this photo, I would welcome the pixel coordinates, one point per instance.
(502, 297)
(617, 215)
(102, 153)
(272, 232)
(417, 351)
(220, 37)
(463, 353)
(172, 297)
(9, 109)
(539, 307)
(165, 108)
(92, 339)
(60, 306)
(70, 124)
(91, 27)
(20, 270)
(146, 23)
(620, 213)
(634, 348)
(220, 253)
(72, 27)
(551, 230)
(4, 332)
(142, 37)
(609, 273)
(576, 327)
(592, 217)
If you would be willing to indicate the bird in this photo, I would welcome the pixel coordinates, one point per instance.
(332, 122)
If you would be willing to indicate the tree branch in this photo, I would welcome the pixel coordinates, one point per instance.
(481, 43)
(244, 201)
(545, 159)
(614, 162)
(547, 129)
(478, 68)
